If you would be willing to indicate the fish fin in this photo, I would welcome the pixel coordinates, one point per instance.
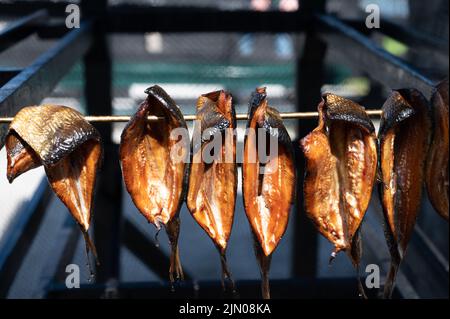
(173, 231)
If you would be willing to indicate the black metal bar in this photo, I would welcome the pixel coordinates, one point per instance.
(146, 251)
(248, 289)
(132, 18)
(412, 37)
(145, 18)
(422, 266)
(55, 28)
(21, 237)
(22, 7)
(7, 74)
(20, 29)
(189, 20)
(36, 81)
(365, 55)
(310, 73)
(409, 36)
(108, 200)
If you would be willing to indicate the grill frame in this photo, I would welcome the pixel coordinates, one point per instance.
(20, 87)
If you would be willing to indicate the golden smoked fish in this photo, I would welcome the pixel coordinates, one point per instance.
(436, 176)
(404, 140)
(268, 181)
(341, 167)
(213, 179)
(155, 166)
(68, 147)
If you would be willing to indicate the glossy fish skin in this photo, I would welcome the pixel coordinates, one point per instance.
(268, 195)
(212, 190)
(38, 125)
(404, 140)
(68, 147)
(155, 179)
(436, 176)
(341, 167)
(21, 157)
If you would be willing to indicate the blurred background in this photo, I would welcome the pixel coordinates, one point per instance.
(187, 65)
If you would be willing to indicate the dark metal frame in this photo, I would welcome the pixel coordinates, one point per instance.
(20, 87)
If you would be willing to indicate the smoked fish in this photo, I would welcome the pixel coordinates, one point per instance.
(436, 176)
(155, 166)
(268, 181)
(404, 141)
(69, 148)
(212, 190)
(341, 167)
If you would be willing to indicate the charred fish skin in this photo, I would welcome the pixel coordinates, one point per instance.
(341, 165)
(154, 166)
(68, 147)
(404, 141)
(212, 188)
(268, 188)
(437, 183)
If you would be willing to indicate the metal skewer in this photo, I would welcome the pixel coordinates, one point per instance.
(126, 118)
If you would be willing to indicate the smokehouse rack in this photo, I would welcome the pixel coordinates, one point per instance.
(423, 274)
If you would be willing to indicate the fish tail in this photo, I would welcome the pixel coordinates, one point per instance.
(227, 277)
(265, 284)
(355, 257)
(332, 257)
(90, 247)
(361, 290)
(175, 269)
(390, 280)
(264, 265)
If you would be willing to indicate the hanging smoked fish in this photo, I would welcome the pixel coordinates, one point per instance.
(436, 176)
(154, 166)
(213, 180)
(68, 147)
(268, 180)
(341, 166)
(404, 141)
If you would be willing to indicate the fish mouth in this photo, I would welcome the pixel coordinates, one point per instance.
(11, 176)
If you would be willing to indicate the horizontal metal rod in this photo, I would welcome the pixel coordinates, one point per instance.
(126, 118)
